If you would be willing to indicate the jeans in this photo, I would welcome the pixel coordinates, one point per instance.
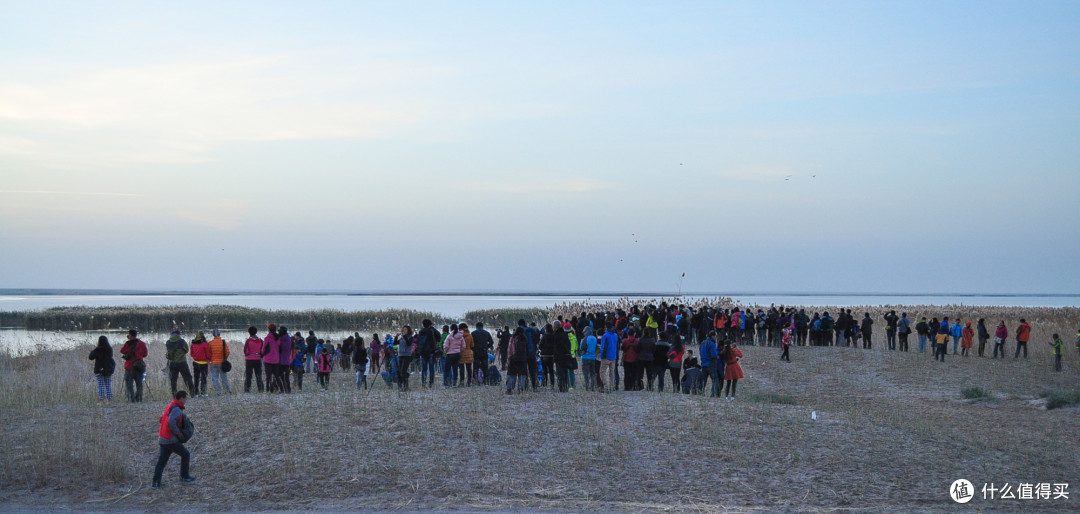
(133, 383)
(253, 367)
(427, 370)
(165, 451)
(403, 371)
(201, 370)
(588, 372)
(219, 377)
(922, 343)
(955, 344)
(890, 335)
(518, 381)
(450, 369)
(982, 345)
(903, 342)
(1057, 362)
(999, 346)
(180, 368)
(104, 387)
(1021, 345)
(533, 370)
(675, 374)
(298, 374)
(308, 362)
(715, 376)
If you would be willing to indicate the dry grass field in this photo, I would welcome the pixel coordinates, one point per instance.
(893, 430)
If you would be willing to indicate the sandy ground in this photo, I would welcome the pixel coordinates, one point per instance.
(892, 432)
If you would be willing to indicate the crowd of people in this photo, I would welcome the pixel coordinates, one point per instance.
(631, 349)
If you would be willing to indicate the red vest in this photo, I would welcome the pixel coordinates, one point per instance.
(165, 432)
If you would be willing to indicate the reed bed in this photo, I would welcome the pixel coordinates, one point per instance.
(166, 318)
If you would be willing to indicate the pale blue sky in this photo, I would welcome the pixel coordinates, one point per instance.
(593, 146)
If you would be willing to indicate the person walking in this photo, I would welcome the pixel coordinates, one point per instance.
(176, 351)
(1023, 333)
(174, 429)
(134, 352)
(200, 363)
(104, 366)
(219, 353)
(1001, 334)
(1059, 347)
(984, 335)
(253, 360)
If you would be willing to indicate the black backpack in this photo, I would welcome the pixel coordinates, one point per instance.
(521, 351)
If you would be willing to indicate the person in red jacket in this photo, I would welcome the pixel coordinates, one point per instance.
(174, 429)
(253, 360)
(133, 352)
(200, 360)
(732, 371)
(1023, 333)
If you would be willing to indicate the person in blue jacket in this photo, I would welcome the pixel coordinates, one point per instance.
(609, 356)
(957, 332)
(710, 360)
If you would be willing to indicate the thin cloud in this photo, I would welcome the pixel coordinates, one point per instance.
(75, 193)
(551, 185)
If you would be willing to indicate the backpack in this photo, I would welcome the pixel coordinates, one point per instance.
(521, 351)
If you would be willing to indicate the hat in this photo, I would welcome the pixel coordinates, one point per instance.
(216, 332)
(566, 325)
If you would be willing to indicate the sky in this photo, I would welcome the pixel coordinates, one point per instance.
(906, 147)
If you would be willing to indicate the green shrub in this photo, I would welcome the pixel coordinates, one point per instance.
(974, 393)
(1058, 399)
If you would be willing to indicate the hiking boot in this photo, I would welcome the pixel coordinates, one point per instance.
(155, 484)
(187, 480)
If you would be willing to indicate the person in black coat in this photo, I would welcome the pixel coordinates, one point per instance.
(562, 356)
(104, 365)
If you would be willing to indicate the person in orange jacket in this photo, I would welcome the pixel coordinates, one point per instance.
(219, 353)
(966, 337)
